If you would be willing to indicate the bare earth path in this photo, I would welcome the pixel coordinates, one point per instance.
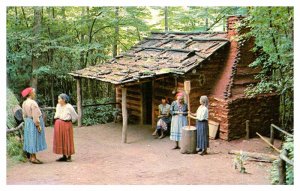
(100, 158)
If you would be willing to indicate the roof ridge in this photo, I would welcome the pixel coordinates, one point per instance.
(188, 33)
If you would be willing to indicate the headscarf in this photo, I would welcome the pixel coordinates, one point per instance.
(64, 97)
(204, 101)
(26, 91)
(180, 94)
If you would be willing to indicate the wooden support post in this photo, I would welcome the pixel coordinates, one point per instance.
(272, 134)
(187, 89)
(247, 130)
(124, 114)
(79, 108)
(282, 168)
(153, 105)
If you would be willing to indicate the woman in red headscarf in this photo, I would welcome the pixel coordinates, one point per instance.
(179, 112)
(34, 134)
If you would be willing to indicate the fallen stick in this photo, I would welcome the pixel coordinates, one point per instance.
(260, 157)
(266, 141)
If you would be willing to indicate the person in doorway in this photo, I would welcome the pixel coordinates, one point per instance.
(201, 117)
(65, 115)
(179, 112)
(34, 131)
(164, 118)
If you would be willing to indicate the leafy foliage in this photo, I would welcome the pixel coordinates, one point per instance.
(15, 149)
(12, 101)
(273, 30)
(98, 114)
(289, 146)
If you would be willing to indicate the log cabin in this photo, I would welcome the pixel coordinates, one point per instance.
(215, 63)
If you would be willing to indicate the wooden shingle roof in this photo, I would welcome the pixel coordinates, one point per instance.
(160, 54)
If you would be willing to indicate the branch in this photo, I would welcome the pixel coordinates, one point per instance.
(15, 129)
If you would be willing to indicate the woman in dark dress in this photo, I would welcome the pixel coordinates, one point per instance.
(201, 117)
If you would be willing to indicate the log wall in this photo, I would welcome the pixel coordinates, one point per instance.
(134, 102)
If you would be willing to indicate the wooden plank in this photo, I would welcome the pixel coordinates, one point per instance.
(79, 109)
(259, 156)
(266, 141)
(124, 115)
(283, 131)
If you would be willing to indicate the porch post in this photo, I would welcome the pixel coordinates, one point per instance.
(124, 114)
(79, 111)
(153, 105)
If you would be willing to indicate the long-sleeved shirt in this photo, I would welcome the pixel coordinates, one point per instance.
(31, 109)
(66, 113)
(202, 113)
(176, 107)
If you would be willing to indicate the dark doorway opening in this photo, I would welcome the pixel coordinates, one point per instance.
(147, 102)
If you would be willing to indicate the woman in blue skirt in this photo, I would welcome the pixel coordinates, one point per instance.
(34, 131)
(201, 117)
(179, 112)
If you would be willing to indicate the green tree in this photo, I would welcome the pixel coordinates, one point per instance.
(273, 30)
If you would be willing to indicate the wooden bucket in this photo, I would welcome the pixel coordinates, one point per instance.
(189, 140)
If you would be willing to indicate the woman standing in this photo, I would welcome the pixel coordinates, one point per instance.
(202, 125)
(63, 142)
(164, 118)
(34, 131)
(179, 111)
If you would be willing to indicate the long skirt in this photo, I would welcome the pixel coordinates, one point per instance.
(34, 141)
(177, 123)
(63, 142)
(202, 134)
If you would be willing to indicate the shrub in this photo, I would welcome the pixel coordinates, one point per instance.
(289, 146)
(15, 148)
(98, 114)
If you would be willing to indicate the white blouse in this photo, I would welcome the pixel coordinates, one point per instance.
(66, 112)
(202, 113)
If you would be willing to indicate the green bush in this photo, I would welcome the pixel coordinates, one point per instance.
(11, 102)
(98, 114)
(15, 149)
(289, 146)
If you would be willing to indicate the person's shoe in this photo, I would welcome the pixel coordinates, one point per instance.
(69, 159)
(62, 159)
(155, 132)
(162, 135)
(176, 147)
(36, 161)
(204, 152)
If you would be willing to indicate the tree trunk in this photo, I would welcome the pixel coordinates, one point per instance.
(166, 19)
(124, 115)
(36, 32)
(116, 36)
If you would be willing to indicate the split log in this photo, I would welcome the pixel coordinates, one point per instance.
(261, 157)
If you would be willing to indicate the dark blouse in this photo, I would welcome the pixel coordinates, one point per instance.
(181, 108)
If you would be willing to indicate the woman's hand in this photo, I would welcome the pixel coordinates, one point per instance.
(39, 128)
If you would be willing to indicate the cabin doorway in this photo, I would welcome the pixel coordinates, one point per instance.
(147, 103)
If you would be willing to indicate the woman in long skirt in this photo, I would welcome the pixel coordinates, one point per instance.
(179, 112)
(63, 142)
(202, 125)
(34, 131)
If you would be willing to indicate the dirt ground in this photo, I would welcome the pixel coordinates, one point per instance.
(102, 159)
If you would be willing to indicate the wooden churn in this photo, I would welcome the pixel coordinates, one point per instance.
(189, 133)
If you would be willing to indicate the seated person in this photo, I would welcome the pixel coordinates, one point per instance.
(164, 118)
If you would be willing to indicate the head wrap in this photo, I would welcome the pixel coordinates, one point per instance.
(65, 97)
(26, 91)
(180, 94)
